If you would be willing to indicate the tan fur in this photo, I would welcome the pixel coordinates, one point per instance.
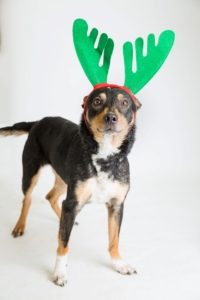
(83, 191)
(98, 123)
(113, 227)
(12, 132)
(120, 97)
(113, 231)
(122, 190)
(122, 127)
(87, 189)
(120, 136)
(21, 223)
(103, 96)
(61, 251)
(59, 188)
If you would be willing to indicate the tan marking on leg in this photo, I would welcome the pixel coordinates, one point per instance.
(114, 220)
(119, 264)
(113, 224)
(60, 187)
(113, 230)
(84, 191)
(62, 250)
(21, 223)
(121, 192)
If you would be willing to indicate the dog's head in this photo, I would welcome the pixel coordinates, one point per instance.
(110, 111)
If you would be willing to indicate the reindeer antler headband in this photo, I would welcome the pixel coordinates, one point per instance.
(146, 65)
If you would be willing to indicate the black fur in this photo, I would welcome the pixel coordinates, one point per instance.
(22, 126)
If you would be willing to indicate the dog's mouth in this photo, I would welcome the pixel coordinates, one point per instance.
(108, 130)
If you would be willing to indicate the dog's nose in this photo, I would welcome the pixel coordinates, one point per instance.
(110, 118)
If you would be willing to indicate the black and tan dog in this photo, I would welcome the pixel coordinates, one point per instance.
(90, 164)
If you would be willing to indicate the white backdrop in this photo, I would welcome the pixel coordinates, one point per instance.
(41, 76)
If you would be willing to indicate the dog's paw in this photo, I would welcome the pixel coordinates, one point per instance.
(18, 230)
(60, 273)
(123, 267)
(60, 280)
(60, 277)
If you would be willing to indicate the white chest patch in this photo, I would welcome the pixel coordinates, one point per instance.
(101, 188)
(105, 148)
(104, 188)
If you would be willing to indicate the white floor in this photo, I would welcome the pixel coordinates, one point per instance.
(160, 236)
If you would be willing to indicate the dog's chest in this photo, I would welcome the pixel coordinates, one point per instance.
(103, 189)
(104, 186)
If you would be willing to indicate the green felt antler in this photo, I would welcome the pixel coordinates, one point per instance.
(88, 55)
(146, 65)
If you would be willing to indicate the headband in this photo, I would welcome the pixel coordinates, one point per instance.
(95, 60)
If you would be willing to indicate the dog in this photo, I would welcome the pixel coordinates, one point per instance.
(90, 165)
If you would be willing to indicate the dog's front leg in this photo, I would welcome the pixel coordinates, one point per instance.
(115, 215)
(69, 211)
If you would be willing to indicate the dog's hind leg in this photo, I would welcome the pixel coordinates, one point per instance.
(60, 187)
(20, 226)
(31, 167)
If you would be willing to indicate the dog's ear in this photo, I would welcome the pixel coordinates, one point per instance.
(138, 104)
(84, 101)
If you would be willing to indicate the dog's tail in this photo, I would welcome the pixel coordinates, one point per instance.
(17, 129)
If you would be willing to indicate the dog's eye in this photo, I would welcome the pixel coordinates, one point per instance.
(124, 103)
(97, 101)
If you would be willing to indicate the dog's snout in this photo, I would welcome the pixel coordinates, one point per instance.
(110, 118)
